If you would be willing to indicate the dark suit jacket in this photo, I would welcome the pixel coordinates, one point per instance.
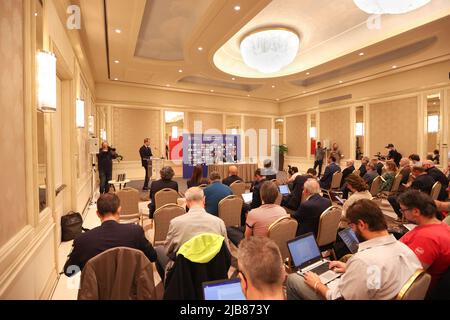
(325, 181)
(370, 176)
(405, 172)
(438, 175)
(104, 160)
(158, 186)
(256, 198)
(230, 179)
(145, 153)
(379, 168)
(110, 234)
(308, 214)
(362, 171)
(424, 183)
(292, 201)
(346, 172)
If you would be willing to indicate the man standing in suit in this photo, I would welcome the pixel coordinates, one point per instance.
(146, 153)
(309, 212)
(325, 181)
(111, 234)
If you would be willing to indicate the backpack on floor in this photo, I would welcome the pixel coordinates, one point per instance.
(71, 226)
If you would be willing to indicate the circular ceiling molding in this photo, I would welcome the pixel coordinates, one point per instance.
(269, 50)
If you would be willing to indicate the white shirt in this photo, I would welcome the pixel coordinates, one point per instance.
(377, 271)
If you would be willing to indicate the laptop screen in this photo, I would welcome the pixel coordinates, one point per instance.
(304, 250)
(223, 290)
(248, 197)
(350, 239)
(284, 189)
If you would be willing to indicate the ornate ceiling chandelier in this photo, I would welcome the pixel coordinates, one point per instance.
(389, 6)
(270, 50)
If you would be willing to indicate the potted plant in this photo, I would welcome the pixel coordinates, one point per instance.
(282, 150)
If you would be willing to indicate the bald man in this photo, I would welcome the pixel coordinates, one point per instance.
(232, 176)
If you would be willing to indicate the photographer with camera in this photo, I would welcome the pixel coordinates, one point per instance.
(104, 159)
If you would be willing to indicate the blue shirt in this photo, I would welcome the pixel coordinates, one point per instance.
(213, 194)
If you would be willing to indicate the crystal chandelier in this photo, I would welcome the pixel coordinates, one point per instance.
(269, 51)
(389, 6)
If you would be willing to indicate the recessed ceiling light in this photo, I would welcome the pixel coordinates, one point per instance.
(167, 85)
(361, 53)
(180, 71)
(394, 67)
(273, 86)
(118, 31)
(304, 91)
(116, 79)
(116, 61)
(308, 73)
(200, 48)
(248, 95)
(237, 8)
(341, 81)
(35, 14)
(211, 90)
(278, 99)
(233, 79)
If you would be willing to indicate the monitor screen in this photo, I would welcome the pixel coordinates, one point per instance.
(248, 197)
(304, 250)
(284, 189)
(223, 290)
(350, 239)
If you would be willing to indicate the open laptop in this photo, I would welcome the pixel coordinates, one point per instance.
(339, 200)
(248, 197)
(305, 254)
(348, 236)
(229, 289)
(284, 189)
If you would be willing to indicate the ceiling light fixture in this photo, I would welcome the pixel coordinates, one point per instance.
(118, 31)
(233, 79)
(237, 8)
(341, 81)
(308, 73)
(394, 67)
(270, 50)
(116, 79)
(273, 87)
(117, 61)
(389, 6)
(180, 71)
(200, 48)
(361, 54)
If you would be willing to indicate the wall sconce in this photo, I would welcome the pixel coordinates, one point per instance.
(46, 81)
(80, 113)
(174, 132)
(313, 132)
(91, 126)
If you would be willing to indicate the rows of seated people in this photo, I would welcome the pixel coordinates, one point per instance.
(201, 236)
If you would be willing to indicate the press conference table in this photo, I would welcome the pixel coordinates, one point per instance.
(246, 171)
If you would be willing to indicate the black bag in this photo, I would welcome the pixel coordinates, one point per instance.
(71, 226)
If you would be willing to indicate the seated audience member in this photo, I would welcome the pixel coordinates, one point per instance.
(363, 168)
(429, 157)
(293, 174)
(350, 167)
(183, 228)
(393, 154)
(439, 176)
(388, 176)
(215, 192)
(308, 214)
(259, 219)
(111, 234)
(405, 171)
(232, 176)
(359, 189)
(415, 159)
(420, 181)
(261, 269)
(377, 271)
(430, 240)
(378, 165)
(371, 174)
(292, 200)
(436, 157)
(269, 172)
(447, 171)
(197, 177)
(166, 181)
(327, 178)
(256, 198)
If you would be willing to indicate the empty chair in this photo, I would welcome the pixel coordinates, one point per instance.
(202, 186)
(335, 185)
(162, 218)
(129, 201)
(281, 231)
(230, 209)
(166, 196)
(435, 191)
(238, 188)
(328, 228)
(416, 287)
(118, 274)
(375, 185)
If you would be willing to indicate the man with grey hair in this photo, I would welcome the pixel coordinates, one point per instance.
(183, 228)
(215, 192)
(308, 214)
(261, 269)
(166, 181)
(350, 167)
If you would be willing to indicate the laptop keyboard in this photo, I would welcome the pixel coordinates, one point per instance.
(321, 269)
